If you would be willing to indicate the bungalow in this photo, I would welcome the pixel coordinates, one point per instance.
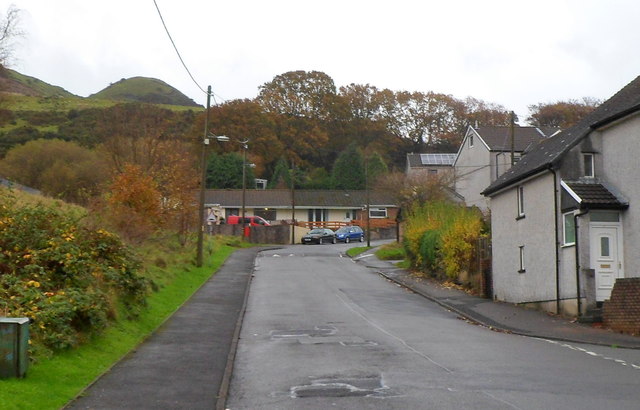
(276, 205)
(563, 219)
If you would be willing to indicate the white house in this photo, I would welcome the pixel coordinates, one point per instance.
(485, 153)
(566, 218)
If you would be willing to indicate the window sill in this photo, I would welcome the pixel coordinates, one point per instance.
(568, 245)
(519, 217)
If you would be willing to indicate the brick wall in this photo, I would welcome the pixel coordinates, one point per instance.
(622, 311)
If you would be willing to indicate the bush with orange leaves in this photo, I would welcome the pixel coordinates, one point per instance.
(133, 204)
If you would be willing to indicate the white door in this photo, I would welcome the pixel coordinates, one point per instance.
(606, 258)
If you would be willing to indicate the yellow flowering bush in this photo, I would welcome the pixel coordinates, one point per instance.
(66, 277)
(439, 237)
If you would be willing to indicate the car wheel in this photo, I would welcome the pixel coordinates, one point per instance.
(362, 239)
(347, 240)
(320, 241)
(333, 240)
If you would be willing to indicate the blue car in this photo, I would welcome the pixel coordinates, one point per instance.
(347, 234)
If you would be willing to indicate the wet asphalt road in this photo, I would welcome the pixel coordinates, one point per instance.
(321, 331)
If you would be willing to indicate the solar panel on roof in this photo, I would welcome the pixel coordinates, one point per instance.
(437, 159)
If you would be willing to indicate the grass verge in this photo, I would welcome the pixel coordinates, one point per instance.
(352, 252)
(51, 383)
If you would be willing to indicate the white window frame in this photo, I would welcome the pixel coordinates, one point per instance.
(566, 226)
(591, 160)
(382, 213)
(520, 196)
(522, 260)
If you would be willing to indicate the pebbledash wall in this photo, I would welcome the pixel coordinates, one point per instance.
(621, 312)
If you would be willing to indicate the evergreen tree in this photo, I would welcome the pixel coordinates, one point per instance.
(225, 172)
(348, 169)
(376, 167)
(281, 177)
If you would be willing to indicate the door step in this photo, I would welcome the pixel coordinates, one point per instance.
(593, 315)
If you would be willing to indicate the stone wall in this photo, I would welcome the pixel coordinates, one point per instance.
(621, 312)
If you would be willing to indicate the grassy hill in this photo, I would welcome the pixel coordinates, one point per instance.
(146, 90)
(15, 83)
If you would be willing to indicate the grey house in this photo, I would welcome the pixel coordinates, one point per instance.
(430, 164)
(485, 154)
(566, 218)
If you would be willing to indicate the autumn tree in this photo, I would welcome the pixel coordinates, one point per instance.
(417, 189)
(241, 119)
(562, 114)
(177, 180)
(133, 134)
(298, 94)
(134, 203)
(58, 168)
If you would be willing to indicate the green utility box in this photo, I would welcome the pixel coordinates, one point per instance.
(14, 346)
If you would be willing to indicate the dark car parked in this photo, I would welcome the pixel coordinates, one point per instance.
(347, 234)
(319, 235)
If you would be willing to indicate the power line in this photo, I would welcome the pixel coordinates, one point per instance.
(176, 48)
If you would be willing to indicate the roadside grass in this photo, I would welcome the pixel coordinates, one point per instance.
(53, 382)
(353, 252)
(391, 252)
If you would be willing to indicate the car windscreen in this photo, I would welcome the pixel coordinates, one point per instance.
(315, 232)
(342, 230)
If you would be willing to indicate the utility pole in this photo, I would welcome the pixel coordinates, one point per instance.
(293, 202)
(203, 180)
(366, 187)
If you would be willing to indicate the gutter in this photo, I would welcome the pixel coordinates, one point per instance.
(575, 224)
(557, 243)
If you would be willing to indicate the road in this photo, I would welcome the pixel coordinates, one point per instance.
(321, 331)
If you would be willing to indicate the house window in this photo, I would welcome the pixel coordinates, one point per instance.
(569, 229)
(266, 213)
(470, 141)
(589, 170)
(377, 212)
(522, 266)
(433, 172)
(520, 202)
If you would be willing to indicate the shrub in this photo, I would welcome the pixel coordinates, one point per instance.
(67, 278)
(440, 237)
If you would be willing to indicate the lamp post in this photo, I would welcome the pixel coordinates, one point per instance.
(203, 179)
(244, 184)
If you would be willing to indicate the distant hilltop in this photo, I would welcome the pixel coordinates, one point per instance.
(146, 90)
(135, 89)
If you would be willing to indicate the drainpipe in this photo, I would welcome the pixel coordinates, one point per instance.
(575, 224)
(555, 219)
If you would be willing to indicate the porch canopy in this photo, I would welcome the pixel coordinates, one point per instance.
(589, 195)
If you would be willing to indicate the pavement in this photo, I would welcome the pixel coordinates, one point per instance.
(500, 316)
(187, 363)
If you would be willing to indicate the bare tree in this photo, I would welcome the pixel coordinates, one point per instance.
(10, 32)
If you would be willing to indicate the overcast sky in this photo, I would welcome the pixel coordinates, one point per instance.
(510, 52)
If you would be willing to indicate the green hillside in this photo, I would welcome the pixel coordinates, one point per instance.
(146, 90)
(13, 82)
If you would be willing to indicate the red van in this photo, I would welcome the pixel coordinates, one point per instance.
(250, 220)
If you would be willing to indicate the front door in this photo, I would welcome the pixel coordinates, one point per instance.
(606, 258)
